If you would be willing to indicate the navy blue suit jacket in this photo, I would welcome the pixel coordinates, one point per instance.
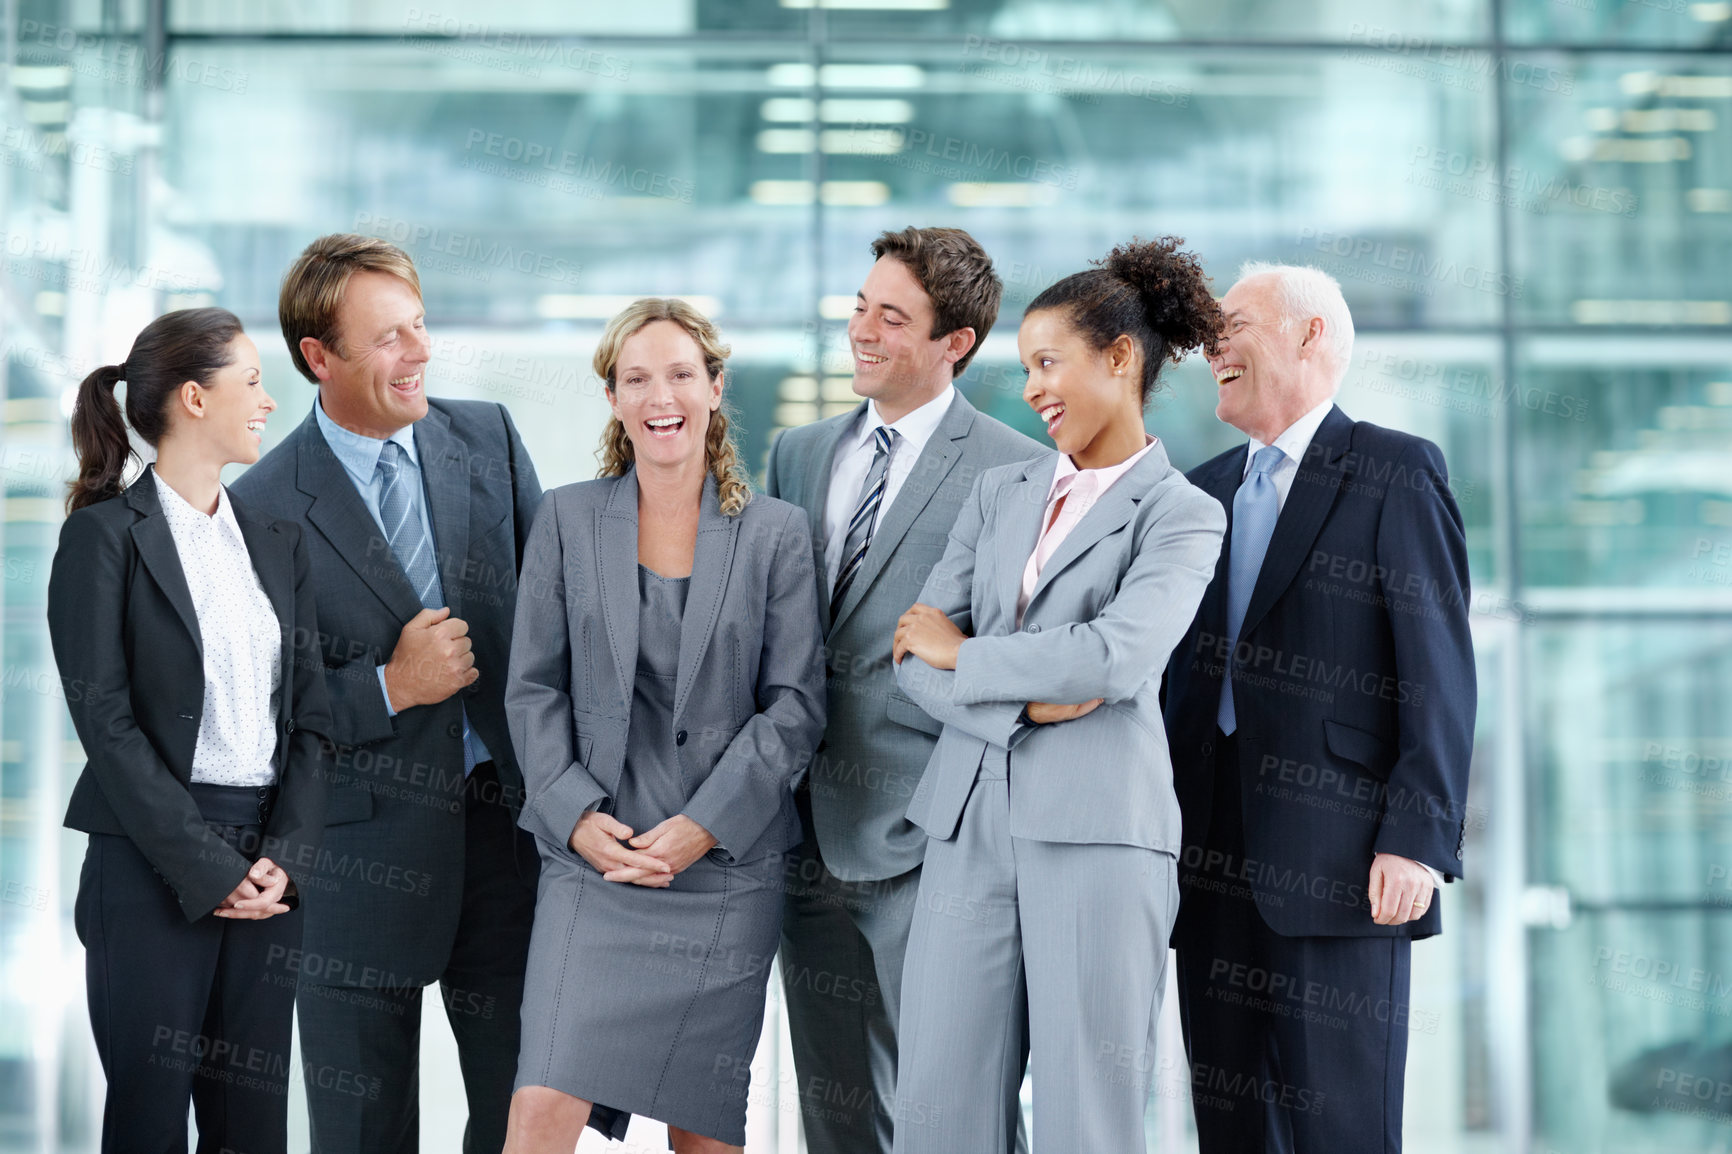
(1354, 684)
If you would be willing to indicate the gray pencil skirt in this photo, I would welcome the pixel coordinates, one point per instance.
(650, 1001)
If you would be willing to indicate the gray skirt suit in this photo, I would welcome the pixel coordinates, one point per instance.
(646, 697)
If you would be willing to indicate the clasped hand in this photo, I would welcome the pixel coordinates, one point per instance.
(651, 858)
(259, 895)
(934, 638)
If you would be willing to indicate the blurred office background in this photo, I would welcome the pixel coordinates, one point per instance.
(1527, 202)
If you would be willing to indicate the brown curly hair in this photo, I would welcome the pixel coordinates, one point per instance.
(721, 455)
(1149, 291)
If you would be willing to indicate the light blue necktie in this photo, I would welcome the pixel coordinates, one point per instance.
(401, 514)
(1256, 506)
(400, 511)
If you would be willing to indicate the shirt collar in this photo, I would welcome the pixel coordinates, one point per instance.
(360, 453)
(180, 511)
(1104, 477)
(1296, 439)
(915, 428)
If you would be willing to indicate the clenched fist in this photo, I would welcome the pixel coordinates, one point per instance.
(434, 658)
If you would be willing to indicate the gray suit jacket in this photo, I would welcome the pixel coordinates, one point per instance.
(388, 884)
(748, 696)
(878, 741)
(1110, 604)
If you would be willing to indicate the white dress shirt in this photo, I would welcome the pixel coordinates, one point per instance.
(243, 644)
(1080, 488)
(853, 460)
(1293, 443)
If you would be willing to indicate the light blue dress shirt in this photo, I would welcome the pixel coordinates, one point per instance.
(360, 459)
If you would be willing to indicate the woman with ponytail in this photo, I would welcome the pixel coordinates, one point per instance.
(182, 623)
(666, 689)
(1049, 887)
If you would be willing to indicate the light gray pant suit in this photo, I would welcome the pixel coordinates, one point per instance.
(1049, 888)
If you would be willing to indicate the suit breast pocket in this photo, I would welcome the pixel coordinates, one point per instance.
(348, 803)
(1367, 750)
(926, 539)
(903, 711)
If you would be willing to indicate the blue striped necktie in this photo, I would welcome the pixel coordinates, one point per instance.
(865, 517)
(1256, 506)
(401, 514)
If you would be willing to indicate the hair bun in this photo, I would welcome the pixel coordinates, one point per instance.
(1174, 291)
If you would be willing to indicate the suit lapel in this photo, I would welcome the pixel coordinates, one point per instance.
(1308, 503)
(712, 559)
(616, 562)
(822, 463)
(933, 465)
(1223, 485)
(1116, 506)
(275, 566)
(341, 516)
(155, 544)
(1021, 508)
(444, 460)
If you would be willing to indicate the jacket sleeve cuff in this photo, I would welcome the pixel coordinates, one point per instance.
(553, 813)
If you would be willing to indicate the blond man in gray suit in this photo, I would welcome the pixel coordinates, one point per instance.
(881, 486)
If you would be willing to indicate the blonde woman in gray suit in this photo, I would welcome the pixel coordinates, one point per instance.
(1050, 887)
(666, 689)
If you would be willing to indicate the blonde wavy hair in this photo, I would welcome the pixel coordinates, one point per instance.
(721, 455)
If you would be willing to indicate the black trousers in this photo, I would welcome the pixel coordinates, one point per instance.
(183, 1010)
(1298, 1045)
(361, 1048)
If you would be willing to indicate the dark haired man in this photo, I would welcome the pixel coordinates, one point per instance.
(882, 485)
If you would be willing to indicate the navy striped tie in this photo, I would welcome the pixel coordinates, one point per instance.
(865, 515)
(401, 515)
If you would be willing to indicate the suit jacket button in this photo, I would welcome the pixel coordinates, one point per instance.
(1034, 629)
(680, 737)
(1208, 749)
(454, 730)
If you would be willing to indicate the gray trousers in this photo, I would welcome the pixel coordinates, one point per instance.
(841, 958)
(1020, 947)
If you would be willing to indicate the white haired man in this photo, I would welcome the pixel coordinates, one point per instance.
(1320, 716)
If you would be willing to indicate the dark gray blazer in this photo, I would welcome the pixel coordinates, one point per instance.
(131, 658)
(748, 697)
(878, 741)
(1111, 603)
(389, 881)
